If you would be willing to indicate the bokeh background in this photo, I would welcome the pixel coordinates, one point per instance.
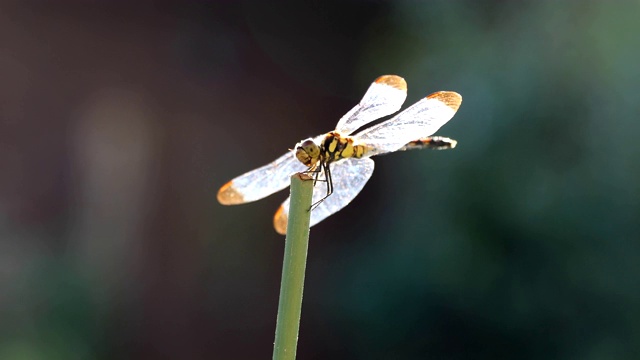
(120, 122)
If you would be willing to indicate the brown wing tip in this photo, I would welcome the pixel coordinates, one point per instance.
(228, 195)
(280, 220)
(450, 98)
(394, 81)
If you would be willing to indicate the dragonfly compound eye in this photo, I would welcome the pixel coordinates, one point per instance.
(308, 152)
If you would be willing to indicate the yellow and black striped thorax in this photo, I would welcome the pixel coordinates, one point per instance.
(335, 147)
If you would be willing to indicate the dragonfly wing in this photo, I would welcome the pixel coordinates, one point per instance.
(384, 97)
(349, 177)
(418, 121)
(261, 182)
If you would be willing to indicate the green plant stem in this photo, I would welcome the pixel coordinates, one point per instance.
(293, 268)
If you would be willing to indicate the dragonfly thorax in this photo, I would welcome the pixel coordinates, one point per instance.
(333, 147)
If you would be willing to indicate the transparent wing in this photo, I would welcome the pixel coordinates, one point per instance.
(384, 97)
(261, 182)
(349, 177)
(418, 121)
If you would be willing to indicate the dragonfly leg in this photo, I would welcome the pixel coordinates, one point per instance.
(327, 175)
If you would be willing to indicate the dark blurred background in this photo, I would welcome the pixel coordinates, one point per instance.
(118, 124)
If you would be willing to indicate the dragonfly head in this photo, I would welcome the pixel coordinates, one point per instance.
(308, 152)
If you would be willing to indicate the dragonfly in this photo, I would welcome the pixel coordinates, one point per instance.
(342, 158)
